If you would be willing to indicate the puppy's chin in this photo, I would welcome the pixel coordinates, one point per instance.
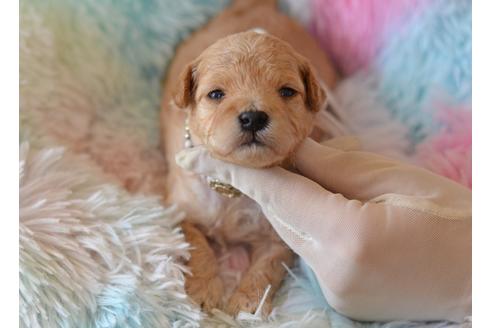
(256, 155)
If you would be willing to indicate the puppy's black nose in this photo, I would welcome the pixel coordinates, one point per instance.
(253, 120)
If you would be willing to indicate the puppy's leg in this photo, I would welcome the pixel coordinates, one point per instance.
(203, 285)
(266, 269)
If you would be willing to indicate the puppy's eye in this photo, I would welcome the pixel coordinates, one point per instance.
(216, 94)
(287, 92)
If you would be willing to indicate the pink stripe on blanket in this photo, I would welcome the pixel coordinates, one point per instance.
(449, 151)
(353, 31)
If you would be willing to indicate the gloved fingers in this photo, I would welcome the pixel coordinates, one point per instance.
(345, 143)
(351, 173)
(300, 203)
(366, 176)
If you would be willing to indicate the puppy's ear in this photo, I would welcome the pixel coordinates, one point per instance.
(315, 95)
(185, 87)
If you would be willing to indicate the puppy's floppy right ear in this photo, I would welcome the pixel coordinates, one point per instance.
(185, 86)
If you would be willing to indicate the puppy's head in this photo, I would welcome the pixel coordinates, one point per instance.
(251, 97)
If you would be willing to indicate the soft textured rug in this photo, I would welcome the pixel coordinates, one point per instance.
(96, 247)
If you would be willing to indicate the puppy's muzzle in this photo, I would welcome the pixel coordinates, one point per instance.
(253, 121)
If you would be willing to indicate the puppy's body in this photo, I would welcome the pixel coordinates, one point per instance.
(209, 214)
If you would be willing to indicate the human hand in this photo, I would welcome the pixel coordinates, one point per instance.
(386, 240)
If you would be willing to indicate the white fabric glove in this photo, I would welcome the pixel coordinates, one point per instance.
(386, 240)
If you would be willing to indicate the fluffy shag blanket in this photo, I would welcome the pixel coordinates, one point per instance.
(97, 249)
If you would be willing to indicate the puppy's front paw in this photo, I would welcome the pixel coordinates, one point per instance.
(206, 292)
(248, 302)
